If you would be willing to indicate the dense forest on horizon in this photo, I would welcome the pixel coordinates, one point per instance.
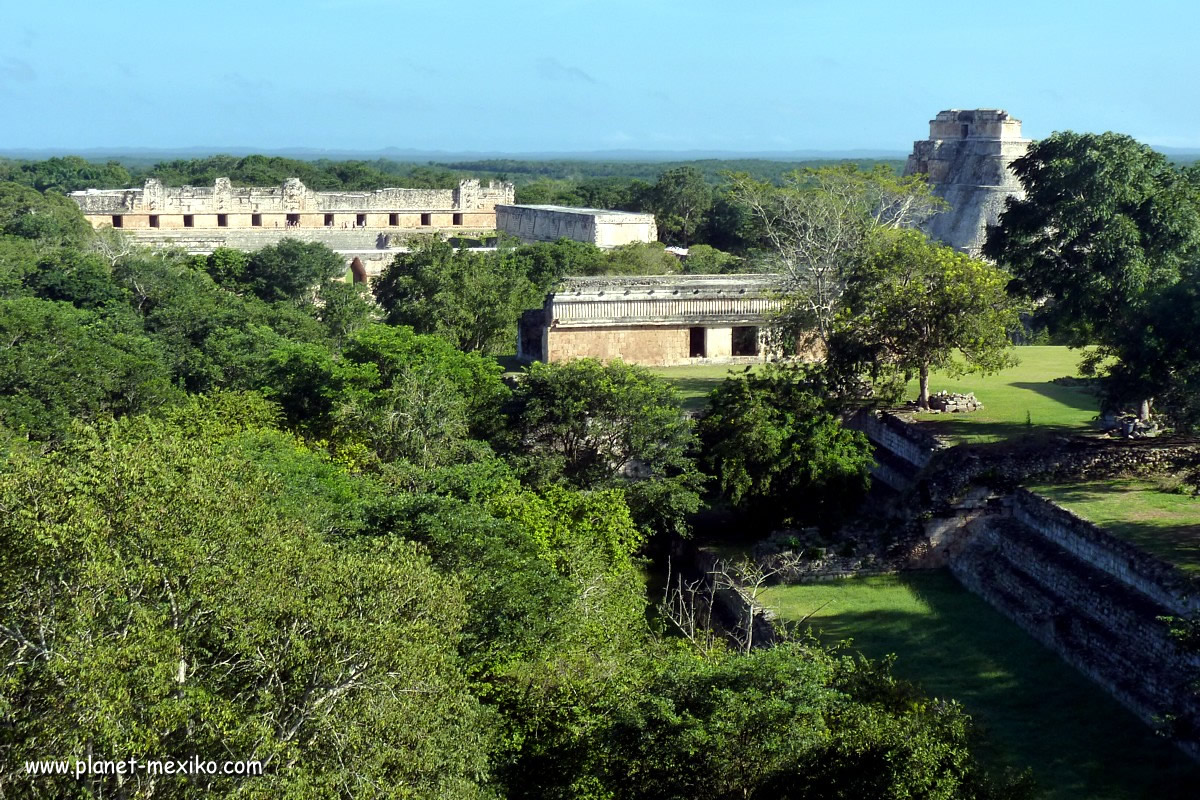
(72, 173)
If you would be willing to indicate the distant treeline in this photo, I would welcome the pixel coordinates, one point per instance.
(71, 173)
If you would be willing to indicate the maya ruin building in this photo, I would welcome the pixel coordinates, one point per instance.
(967, 159)
(357, 224)
(600, 227)
(654, 320)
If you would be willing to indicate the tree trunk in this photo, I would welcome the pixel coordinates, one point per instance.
(923, 397)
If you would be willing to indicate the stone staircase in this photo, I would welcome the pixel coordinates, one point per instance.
(1092, 619)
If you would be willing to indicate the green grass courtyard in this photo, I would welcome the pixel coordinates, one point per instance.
(1017, 400)
(695, 381)
(1164, 523)
(1035, 710)
(1011, 398)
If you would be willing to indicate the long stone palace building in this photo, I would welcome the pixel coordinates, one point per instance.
(968, 162)
(357, 224)
(653, 320)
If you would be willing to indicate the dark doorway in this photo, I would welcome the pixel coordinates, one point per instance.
(222, 221)
(329, 220)
(358, 270)
(118, 221)
(745, 341)
(394, 220)
(360, 220)
(696, 347)
(154, 220)
(458, 219)
(427, 219)
(966, 131)
(293, 219)
(256, 220)
(189, 221)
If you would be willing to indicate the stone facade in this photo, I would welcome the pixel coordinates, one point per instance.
(967, 159)
(654, 320)
(595, 226)
(359, 225)
(155, 207)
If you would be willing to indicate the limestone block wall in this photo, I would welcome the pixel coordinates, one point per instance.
(551, 223)
(1091, 618)
(900, 439)
(651, 345)
(718, 342)
(1162, 582)
(1093, 598)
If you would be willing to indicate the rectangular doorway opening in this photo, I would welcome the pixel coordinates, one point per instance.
(118, 221)
(293, 219)
(222, 221)
(360, 220)
(394, 220)
(458, 219)
(256, 220)
(329, 220)
(696, 348)
(745, 341)
(427, 219)
(154, 220)
(189, 221)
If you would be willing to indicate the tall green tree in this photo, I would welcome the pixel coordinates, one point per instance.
(914, 306)
(49, 219)
(681, 200)
(791, 722)
(291, 269)
(163, 597)
(609, 425)
(63, 364)
(817, 227)
(472, 299)
(1103, 229)
(777, 452)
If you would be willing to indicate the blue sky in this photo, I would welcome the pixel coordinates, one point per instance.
(571, 75)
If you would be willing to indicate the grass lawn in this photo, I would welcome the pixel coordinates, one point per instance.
(1163, 523)
(1036, 711)
(1009, 395)
(695, 381)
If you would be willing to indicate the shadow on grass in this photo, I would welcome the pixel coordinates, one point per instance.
(694, 391)
(1031, 707)
(962, 427)
(1158, 532)
(1071, 396)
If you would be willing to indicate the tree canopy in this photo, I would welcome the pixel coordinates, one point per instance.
(1104, 231)
(914, 306)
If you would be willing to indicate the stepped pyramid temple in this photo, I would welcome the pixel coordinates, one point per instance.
(200, 219)
(967, 158)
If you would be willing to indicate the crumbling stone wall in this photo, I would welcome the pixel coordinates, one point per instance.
(1065, 583)
(1095, 599)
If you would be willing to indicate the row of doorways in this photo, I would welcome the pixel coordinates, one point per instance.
(744, 342)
